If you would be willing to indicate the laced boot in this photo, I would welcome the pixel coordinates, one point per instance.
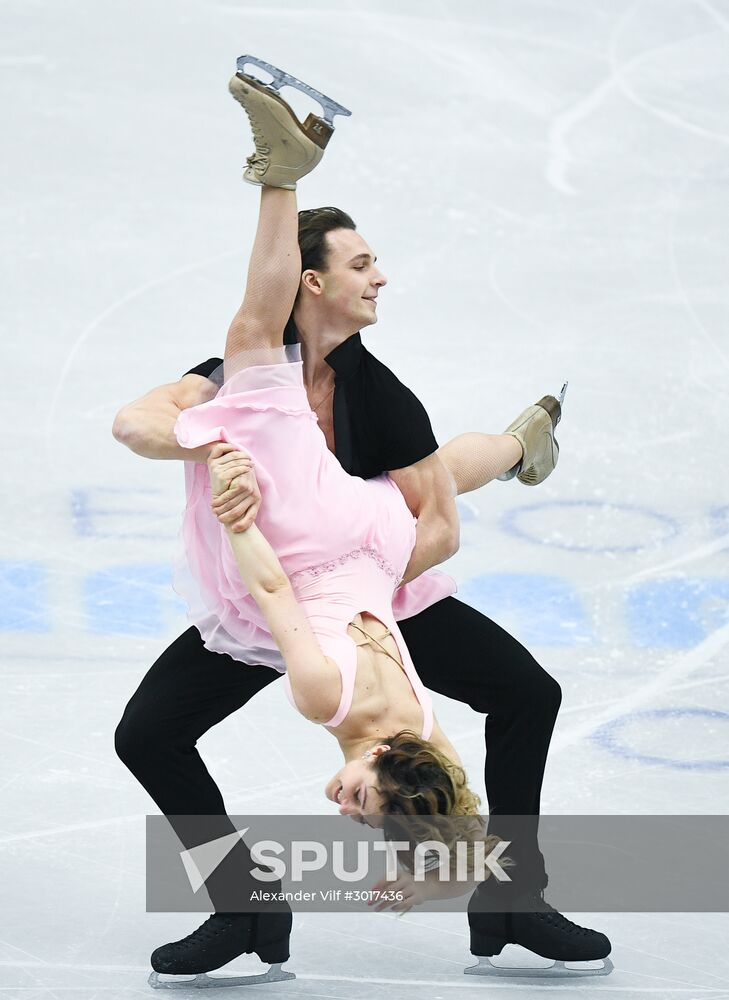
(286, 149)
(223, 937)
(543, 931)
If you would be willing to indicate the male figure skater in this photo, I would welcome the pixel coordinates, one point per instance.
(373, 424)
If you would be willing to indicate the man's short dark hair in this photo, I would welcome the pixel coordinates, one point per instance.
(314, 224)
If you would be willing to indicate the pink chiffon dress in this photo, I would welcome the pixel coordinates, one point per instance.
(344, 542)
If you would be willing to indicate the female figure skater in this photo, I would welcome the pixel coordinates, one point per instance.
(314, 578)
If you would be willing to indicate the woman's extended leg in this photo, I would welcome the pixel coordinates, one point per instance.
(255, 336)
(527, 449)
(474, 459)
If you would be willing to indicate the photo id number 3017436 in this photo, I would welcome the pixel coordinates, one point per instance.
(361, 895)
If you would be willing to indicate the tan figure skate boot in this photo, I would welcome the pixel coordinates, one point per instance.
(286, 150)
(534, 430)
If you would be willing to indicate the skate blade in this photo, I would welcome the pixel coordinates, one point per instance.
(558, 970)
(560, 400)
(204, 981)
(283, 79)
(553, 405)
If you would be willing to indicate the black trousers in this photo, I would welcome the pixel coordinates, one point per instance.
(457, 652)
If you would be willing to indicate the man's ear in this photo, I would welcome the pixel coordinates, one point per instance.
(311, 281)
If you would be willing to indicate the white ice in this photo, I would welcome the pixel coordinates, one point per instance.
(545, 183)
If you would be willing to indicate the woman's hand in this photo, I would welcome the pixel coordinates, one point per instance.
(236, 496)
(402, 894)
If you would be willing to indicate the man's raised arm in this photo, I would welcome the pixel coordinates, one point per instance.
(147, 426)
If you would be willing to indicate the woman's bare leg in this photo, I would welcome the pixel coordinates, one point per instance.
(474, 459)
(256, 333)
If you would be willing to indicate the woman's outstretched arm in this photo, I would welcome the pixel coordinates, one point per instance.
(314, 677)
(274, 272)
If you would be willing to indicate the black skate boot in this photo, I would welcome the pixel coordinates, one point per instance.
(223, 937)
(543, 931)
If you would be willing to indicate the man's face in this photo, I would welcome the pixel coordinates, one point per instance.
(350, 285)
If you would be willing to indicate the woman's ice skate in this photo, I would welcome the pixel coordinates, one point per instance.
(534, 430)
(286, 149)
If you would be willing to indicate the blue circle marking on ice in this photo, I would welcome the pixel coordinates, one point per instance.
(604, 527)
(25, 589)
(719, 520)
(676, 613)
(538, 608)
(611, 736)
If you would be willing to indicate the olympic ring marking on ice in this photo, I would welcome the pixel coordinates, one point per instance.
(509, 524)
(608, 737)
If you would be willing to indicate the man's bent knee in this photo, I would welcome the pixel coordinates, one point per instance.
(543, 696)
(134, 739)
(552, 693)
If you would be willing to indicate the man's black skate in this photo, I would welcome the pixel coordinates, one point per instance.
(223, 937)
(543, 931)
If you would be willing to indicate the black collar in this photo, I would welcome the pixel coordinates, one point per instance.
(346, 357)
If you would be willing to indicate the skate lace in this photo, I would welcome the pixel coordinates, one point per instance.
(556, 919)
(213, 926)
(260, 157)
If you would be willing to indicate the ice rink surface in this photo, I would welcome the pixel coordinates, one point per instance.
(545, 184)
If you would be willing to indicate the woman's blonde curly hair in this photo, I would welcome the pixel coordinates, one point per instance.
(426, 797)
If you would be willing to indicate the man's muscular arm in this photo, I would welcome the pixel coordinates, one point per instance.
(430, 493)
(147, 426)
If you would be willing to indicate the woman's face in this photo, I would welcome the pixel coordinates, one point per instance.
(354, 789)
